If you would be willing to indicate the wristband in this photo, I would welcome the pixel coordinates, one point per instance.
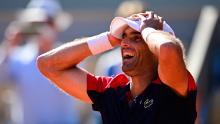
(99, 43)
(146, 32)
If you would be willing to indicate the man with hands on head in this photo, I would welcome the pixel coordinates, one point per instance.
(156, 87)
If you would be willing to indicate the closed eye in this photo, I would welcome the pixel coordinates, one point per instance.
(136, 38)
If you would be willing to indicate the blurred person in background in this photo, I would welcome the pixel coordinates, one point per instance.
(10, 106)
(34, 32)
(105, 64)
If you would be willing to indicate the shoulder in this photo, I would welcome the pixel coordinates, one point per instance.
(119, 80)
(191, 84)
(101, 83)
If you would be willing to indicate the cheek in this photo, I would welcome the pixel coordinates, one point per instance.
(144, 56)
(143, 51)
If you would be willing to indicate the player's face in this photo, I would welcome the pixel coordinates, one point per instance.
(136, 56)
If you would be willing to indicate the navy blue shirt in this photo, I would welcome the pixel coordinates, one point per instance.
(157, 104)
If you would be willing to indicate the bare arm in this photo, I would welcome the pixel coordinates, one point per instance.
(171, 66)
(168, 50)
(60, 66)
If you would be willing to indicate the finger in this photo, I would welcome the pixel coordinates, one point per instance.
(160, 18)
(134, 17)
(144, 14)
(156, 16)
(148, 12)
(152, 14)
(142, 17)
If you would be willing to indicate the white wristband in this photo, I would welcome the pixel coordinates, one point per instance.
(146, 32)
(99, 43)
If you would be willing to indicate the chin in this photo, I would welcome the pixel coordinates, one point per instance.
(129, 71)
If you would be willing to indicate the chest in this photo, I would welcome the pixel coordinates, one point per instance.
(143, 109)
(154, 106)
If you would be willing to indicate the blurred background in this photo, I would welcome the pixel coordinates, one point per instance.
(29, 28)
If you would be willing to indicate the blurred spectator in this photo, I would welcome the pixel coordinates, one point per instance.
(129, 7)
(106, 65)
(34, 32)
(10, 106)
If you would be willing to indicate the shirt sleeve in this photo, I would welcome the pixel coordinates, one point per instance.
(191, 83)
(96, 85)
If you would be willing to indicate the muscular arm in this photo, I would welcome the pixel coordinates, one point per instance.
(60, 66)
(171, 67)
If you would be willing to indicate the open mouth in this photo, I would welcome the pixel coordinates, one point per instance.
(128, 56)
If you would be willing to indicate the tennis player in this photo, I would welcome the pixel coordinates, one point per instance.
(156, 87)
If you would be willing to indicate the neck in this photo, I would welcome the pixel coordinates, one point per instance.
(139, 84)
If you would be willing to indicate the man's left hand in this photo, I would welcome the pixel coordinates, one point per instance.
(148, 19)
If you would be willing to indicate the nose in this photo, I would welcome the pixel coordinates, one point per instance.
(125, 42)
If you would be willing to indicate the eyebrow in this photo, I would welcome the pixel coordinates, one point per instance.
(131, 33)
(134, 33)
